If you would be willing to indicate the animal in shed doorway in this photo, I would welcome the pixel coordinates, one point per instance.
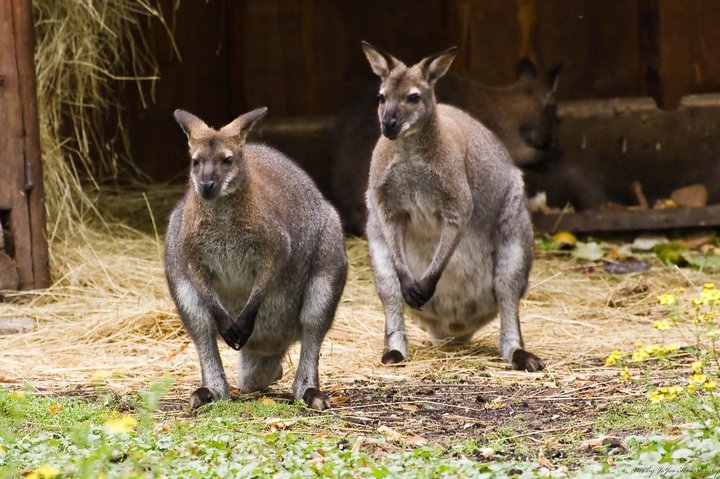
(448, 226)
(255, 253)
(523, 115)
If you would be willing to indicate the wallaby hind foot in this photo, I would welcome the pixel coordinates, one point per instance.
(316, 399)
(526, 361)
(200, 397)
(392, 357)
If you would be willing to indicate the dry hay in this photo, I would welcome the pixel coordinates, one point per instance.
(109, 311)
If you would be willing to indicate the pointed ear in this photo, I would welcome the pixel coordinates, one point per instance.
(526, 69)
(240, 126)
(436, 65)
(552, 77)
(381, 62)
(190, 124)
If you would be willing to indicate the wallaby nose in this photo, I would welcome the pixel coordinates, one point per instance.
(389, 123)
(206, 186)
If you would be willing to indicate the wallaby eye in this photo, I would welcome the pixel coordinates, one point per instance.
(381, 98)
(195, 162)
(413, 98)
(228, 160)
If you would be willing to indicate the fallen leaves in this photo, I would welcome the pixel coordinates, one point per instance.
(121, 425)
(55, 408)
(391, 435)
(279, 424)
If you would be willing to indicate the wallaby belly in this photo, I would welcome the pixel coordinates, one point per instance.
(464, 299)
(277, 323)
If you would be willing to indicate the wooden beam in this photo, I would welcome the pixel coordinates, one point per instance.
(21, 193)
(637, 220)
(35, 191)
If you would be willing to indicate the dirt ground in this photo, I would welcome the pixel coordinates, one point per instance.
(572, 317)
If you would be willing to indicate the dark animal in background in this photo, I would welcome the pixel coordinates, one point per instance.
(448, 226)
(255, 253)
(522, 115)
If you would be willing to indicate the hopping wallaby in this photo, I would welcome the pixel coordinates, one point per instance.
(255, 253)
(523, 115)
(448, 225)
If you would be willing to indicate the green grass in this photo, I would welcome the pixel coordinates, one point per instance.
(235, 439)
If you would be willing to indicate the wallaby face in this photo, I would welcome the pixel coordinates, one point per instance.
(217, 166)
(448, 227)
(254, 254)
(406, 97)
(535, 109)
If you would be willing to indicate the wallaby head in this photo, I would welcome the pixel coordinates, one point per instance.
(406, 98)
(217, 165)
(538, 114)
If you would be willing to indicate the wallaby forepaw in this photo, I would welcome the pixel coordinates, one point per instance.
(200, 396)
(392, 357)
(316, 399)
(526, 361)
(417, 293)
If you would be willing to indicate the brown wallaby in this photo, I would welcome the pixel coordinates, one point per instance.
(448, 225)
(255, 253)
(523, 115)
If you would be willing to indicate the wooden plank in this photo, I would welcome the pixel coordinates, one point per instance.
(689, 60)
(12, 180)
(603, 221)
(21, 191)
(24, 52)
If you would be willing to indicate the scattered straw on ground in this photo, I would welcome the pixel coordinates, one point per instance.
(109, 312)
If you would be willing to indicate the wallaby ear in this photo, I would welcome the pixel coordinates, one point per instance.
(552, 77)
(241, 125)
(381, 62)
(438, 64)
(189, 123)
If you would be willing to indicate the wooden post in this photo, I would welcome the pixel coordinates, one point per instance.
(22, 208)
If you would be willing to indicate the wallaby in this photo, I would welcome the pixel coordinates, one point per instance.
(255, 253)
(448, 226)
(523, 115)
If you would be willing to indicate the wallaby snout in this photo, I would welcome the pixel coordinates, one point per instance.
(390, 126)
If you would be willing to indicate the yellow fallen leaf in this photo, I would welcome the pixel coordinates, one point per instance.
(564, 238)
(266, 401)
(55, 408)
(119, 426)
(494, 404)
(46, 471)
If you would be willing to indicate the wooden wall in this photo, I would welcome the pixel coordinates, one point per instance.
(302, 57)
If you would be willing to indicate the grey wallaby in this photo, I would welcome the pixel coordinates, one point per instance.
(523, 115)
(448, 226)
(255, 253)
